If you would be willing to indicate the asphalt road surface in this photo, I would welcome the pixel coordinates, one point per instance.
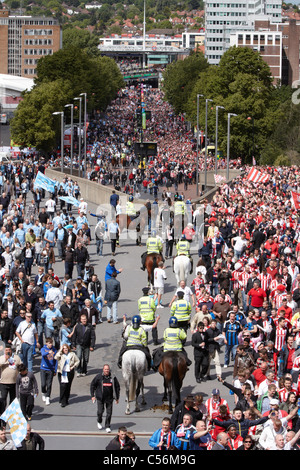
(75, 426)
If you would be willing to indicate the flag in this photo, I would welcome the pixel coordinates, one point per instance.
(257, 176)
(219, 179)
(14, 417)
(295, 200)
(253, 161)
(43, 182)
(70, 200)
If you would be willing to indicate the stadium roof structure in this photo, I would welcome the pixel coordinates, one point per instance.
(13, 83)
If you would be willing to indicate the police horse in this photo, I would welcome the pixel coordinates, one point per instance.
(134, 367)
(173, 368)
(138, 224)
(182, 267)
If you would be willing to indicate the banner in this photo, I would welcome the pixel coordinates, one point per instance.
(14, 417)
(295, 200)
(43, 182)
(257, 176)
(70, 200)
(219, 179)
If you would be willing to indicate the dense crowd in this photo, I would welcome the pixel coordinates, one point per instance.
(111, 157)
(244, 301)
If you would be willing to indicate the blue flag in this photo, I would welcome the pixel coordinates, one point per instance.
(14, 417)
(70, 200)
(43, 182)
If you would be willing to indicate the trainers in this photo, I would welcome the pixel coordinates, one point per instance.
(99, 425)
(43, 397)
(47, 401)
(108, 430)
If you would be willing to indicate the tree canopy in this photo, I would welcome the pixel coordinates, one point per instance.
(60, 78)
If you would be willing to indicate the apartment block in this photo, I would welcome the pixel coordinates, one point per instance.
(223, 18)
(24, 40)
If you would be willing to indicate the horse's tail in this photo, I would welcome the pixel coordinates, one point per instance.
(182, 275)
(175, 378)
(133, 380)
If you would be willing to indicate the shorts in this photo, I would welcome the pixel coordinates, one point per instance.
(159, 290)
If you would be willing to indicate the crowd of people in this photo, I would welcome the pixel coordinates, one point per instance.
(243, 300)
(111, 138)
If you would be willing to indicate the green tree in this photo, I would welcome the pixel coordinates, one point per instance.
(33, 124)
(180, 78)
(81, 39)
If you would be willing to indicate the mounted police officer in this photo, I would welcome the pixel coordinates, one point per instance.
(154, 245)
(147, 309)
(135, 337)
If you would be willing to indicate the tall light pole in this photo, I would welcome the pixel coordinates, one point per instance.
(62, 139)
(79, 98)
(197, 160)
(85, 111)
(72, 135)
(228, 143)
(216, 139)
(205, 158)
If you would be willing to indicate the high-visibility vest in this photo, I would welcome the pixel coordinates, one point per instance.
(181, 309)
(136, 337)
(147, 308)
(173, 338)
(183, 247)
(130, 209)
(179, 208)
(153, 245)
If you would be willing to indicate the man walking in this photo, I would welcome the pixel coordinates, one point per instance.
(83, 339)
(104, 389)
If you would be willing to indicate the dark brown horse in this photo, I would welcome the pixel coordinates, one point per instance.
(152, 260)
(173, 368)
(139, 224)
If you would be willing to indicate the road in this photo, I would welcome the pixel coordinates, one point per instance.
(80, 416)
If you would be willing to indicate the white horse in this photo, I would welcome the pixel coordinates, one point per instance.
(134, 367)
(182, 267)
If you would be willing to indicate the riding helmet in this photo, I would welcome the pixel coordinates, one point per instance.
(173, 322)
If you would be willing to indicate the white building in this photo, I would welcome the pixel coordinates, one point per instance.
(224, 19)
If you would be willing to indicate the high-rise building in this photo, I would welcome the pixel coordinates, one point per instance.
(24, 40)
(224, 19)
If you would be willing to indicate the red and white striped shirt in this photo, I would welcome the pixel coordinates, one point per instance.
(265, 281)
(280, 336)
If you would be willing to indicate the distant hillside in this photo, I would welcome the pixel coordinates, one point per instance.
(108, 17)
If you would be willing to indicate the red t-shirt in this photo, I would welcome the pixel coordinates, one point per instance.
(259, 376)
(257, 297)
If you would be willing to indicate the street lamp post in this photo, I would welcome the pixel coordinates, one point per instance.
(61, 113)
(197, 161)
(79, 98)
(72, 135)
(216, 139)
(228, 143)
(85, 110)
(205, 158)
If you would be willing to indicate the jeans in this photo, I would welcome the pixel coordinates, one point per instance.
(26, 355)
(60, 247)
(112, 311)
(100, 409)
(28, 262)
(99, 245)
(230, 349)
(46, 381)
(83, 354)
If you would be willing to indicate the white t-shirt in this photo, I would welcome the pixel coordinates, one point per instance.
(159, 277)
(188, 293)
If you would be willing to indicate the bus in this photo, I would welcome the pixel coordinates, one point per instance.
(212, 149)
